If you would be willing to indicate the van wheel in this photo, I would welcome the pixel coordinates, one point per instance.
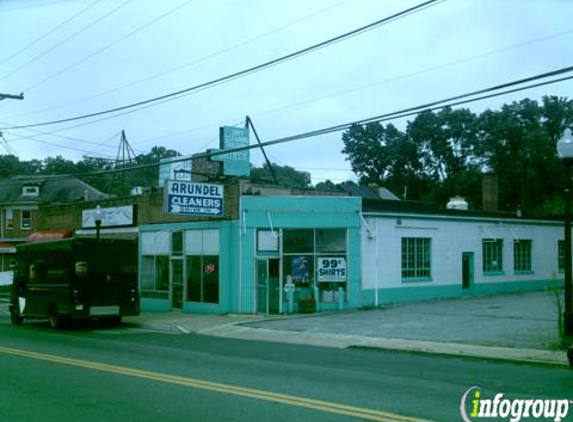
(15, 316)
(55, 319)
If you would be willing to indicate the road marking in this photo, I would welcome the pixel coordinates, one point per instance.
(330, 407)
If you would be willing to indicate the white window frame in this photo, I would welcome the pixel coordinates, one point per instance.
(25, 222)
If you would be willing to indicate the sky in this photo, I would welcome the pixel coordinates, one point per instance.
(77, 57)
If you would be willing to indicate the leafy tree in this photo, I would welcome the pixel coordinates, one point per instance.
(285, 175)
(442, 154)
(446, 141)
(519, 143)
(58, 165)
(385, 156)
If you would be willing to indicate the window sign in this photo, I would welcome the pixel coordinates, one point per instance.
(109, 216)
(174, 168)
(267, 241)
(300, 270)
(234, 163)
(188, 198)
(331, 269)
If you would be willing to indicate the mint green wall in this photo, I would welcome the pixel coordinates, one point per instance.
(429, 291)
(228, 275)
(298, 212)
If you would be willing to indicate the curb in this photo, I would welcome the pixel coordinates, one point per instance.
(236, 331)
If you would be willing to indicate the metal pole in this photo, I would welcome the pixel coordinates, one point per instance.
(568, 313)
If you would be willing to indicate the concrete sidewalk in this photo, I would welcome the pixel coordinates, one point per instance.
(515, 327)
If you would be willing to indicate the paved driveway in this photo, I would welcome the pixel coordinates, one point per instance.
(523, 320)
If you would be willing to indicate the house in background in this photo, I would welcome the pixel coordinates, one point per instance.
(20, 198)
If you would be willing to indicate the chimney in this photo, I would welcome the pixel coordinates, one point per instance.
(490, 191)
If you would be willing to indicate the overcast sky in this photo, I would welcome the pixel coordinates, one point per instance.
(76, 57)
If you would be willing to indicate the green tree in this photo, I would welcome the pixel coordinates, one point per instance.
(446, 141)
(519, 143)
(387, 157)
(58, 165)
(285, 175)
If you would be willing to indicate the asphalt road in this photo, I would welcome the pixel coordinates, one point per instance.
(127, 374)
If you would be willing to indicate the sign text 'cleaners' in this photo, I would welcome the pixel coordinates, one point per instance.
(188, 198)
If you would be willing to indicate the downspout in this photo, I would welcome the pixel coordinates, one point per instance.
(242, 232)
(372, 234)
(377, 266)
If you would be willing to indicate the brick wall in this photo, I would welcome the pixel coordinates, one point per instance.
(149, 209)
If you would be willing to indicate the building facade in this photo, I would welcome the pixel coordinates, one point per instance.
(411, 257)
(269, 250)
(245, 265)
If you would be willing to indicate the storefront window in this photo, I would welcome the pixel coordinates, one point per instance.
(300, 269)
(177, 243)
(331, 241)
(298, 241)
(316, 259)
(203, 278)
(155, 277)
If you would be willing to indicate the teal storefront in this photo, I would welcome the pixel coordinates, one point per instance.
(310, 245)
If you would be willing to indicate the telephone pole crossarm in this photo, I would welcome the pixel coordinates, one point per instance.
(11, 97)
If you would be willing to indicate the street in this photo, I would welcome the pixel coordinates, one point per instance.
(128, 374)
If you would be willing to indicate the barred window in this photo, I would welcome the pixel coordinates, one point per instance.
(521, 255)
(492, 255)
(416, 258)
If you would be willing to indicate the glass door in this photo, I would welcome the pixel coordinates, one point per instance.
(467, 270)
(176, 283)
(268, 286)
(262, 286)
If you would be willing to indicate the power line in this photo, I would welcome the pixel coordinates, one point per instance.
(183, 66)
(108, 46)
(51, 31)
(75, 34)
(247, 71)
(35, 6)
(431, 106)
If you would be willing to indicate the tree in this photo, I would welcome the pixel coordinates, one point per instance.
(385, 156)
(58, 165)
(446, 141)
(286, 176)
(443, 154)
(519, 143)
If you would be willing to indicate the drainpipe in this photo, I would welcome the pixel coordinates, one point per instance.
(377, 266)
(242, 220)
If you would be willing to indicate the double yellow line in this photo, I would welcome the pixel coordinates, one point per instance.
(324, 406)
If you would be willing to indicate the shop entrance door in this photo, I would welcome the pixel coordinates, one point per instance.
(268, 286)
(176, 283)
(467, 270)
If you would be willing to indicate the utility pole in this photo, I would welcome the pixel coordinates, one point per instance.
(11, 97)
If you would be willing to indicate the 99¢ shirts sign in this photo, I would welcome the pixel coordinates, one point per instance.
(331, 269)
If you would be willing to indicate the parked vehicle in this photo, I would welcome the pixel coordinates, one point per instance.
(74, 279)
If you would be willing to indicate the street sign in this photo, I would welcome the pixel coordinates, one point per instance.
(189, 198)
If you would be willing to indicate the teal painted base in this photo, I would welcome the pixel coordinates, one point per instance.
(428, 292)
(203, 308)
(161, 305)
(155, 305)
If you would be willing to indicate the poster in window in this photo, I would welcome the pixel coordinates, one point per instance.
(331, 269)
(300, 270)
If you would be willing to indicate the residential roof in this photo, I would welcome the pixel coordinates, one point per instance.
(53, 190)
